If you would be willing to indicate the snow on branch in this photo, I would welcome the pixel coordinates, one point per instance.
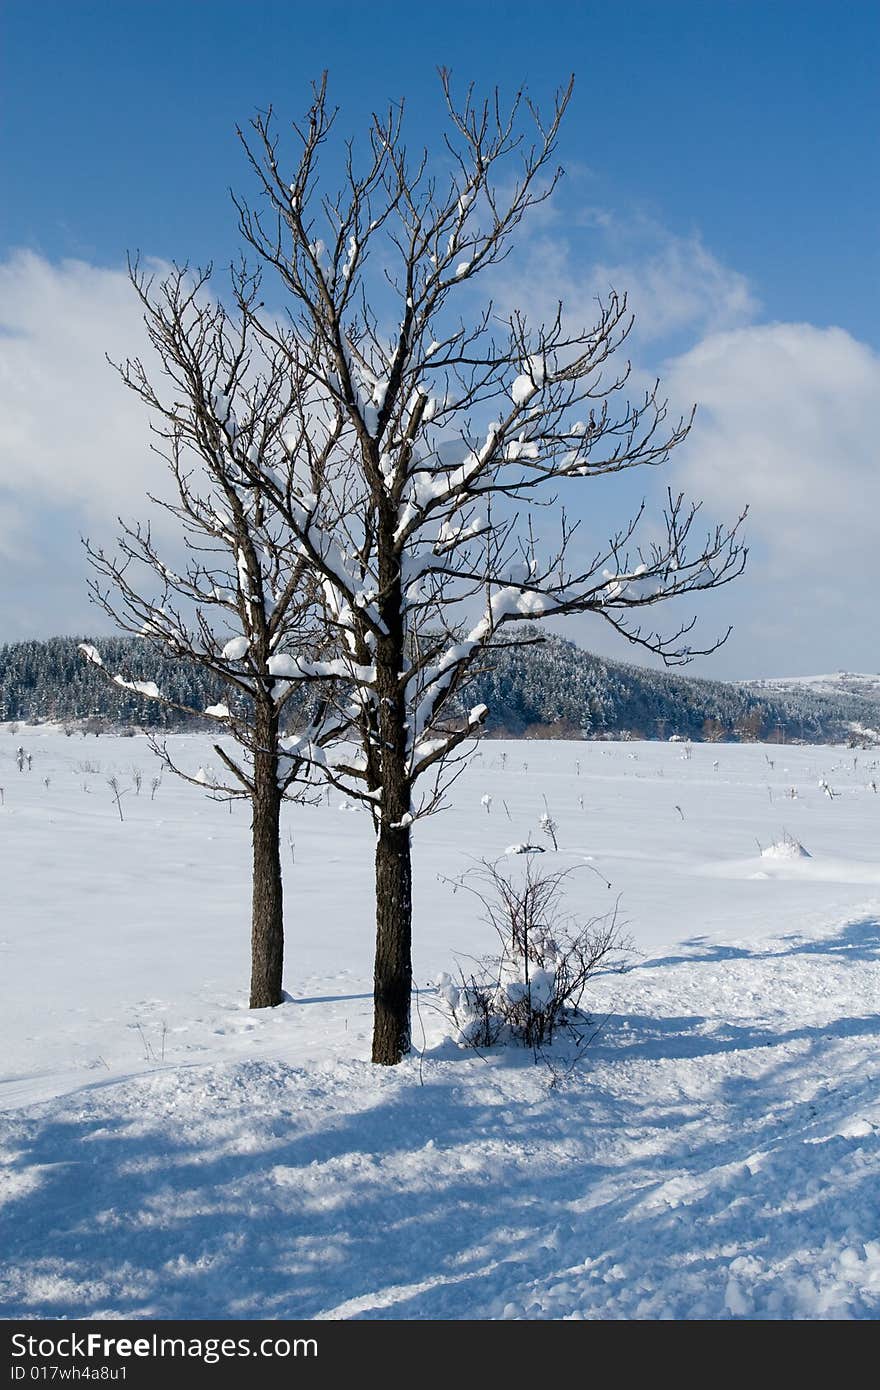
(148, 688)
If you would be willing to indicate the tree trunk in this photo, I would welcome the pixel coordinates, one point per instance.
(392, 978)
(393, 969)
(267, 931)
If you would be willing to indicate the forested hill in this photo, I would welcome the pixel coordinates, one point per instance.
(551, 690)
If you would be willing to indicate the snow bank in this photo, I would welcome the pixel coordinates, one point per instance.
(785, 849)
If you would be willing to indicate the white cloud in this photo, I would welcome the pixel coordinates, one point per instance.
(674, 285)
(680, 286)
(12, 531)
(71, 434)
(787, 421)
(75, 443)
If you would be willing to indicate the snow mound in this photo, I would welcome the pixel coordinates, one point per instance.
(787, 848)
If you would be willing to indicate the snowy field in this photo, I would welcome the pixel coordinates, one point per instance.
(716, 1152)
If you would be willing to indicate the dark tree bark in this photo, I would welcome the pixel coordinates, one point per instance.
(267, 922)
(392, 980)
(393, 967)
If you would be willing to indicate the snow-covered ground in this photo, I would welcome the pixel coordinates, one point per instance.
(715, 1153)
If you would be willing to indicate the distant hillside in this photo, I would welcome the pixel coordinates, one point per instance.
(841, 683)
(558, 688)
(546, 691)
(50, 680)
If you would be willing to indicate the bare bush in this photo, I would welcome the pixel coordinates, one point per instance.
(118, 794)
(535, 985)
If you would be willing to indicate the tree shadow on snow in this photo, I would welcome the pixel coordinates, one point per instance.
(265, 1190)
(857, 941)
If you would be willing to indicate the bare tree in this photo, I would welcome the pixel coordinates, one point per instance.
(357, 480)
(228, 413)
(451, 424)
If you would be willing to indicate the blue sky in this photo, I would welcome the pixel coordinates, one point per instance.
(721, 157)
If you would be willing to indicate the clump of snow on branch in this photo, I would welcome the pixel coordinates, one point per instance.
(149, 688)
(235, 649)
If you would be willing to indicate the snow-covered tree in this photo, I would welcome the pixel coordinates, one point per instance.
(230, 417)
(439, 425)
(355, 481)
